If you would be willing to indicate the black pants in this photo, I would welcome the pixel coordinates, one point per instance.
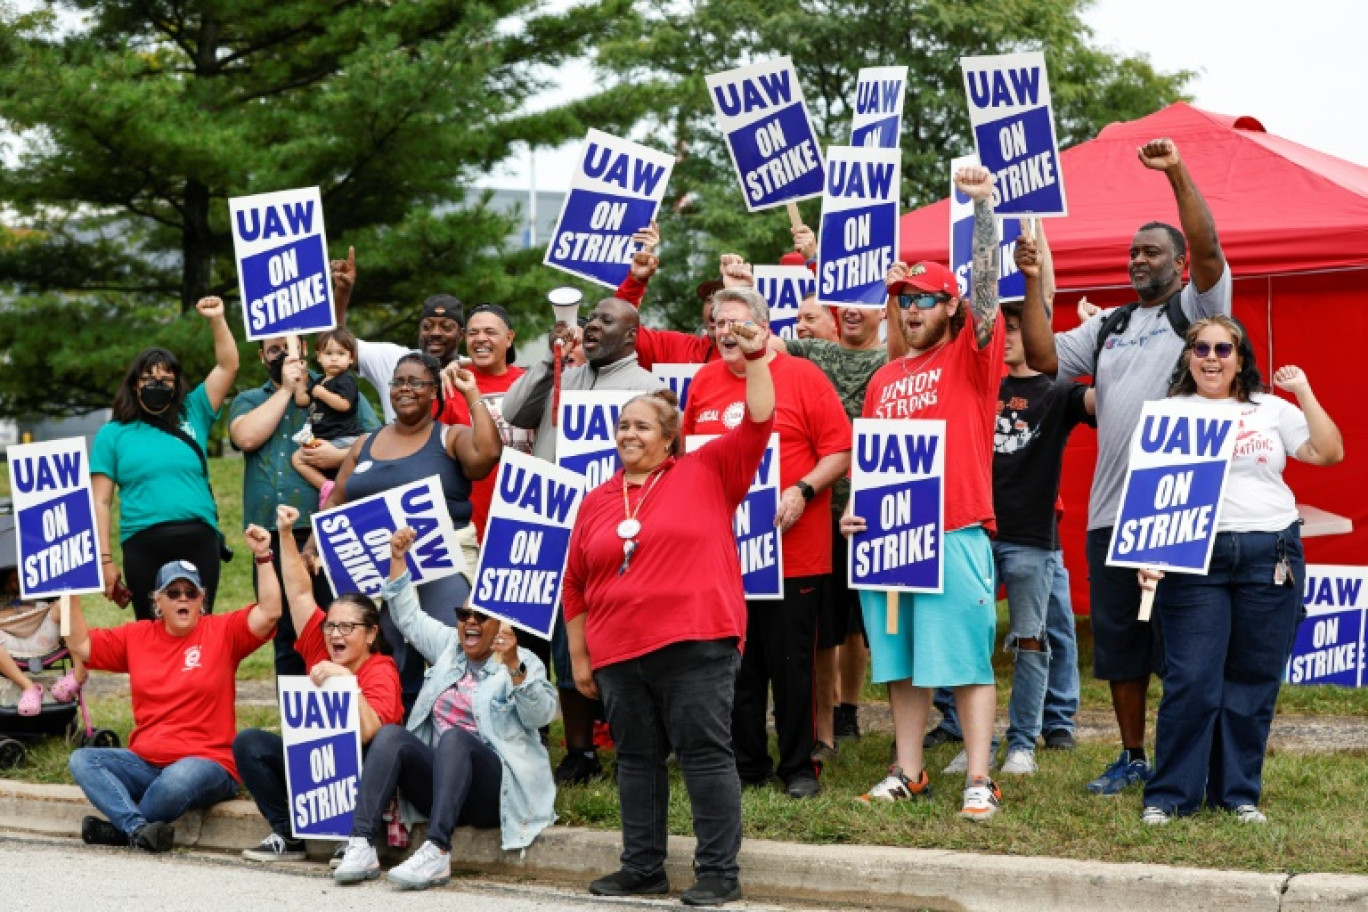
(780, 647)
(287, 661)
(456, 784)
(260, 759)
(677, 696)
(146, 552)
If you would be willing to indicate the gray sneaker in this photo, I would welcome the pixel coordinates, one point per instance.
(427, 867)
(358, 863)
(1019, 762)
(1250, 813)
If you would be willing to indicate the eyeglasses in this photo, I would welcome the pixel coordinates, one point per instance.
(1223, 349)
(400, 383)
(176, 593)
(467, 614)
(923, 301)
(343, 627)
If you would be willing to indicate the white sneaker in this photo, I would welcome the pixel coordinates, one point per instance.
(358, 863)
(427, 867)
(982, 798)
(1019, 762)
(1250, 813)
(1154, 816)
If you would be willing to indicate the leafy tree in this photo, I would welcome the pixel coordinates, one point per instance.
(674, 46)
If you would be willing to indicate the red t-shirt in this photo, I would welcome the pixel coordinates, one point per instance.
(663, 346)
(492, 388)
(377, 678)
(957, 382)
(811, 423)
(685, 578)
(184, 690)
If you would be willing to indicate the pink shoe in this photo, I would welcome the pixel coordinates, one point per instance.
(66, 689)
(324, 491)
(31, 701)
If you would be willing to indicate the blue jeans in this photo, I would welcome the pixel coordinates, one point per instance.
(1227, 638)
(132, 792)
(1027, 574)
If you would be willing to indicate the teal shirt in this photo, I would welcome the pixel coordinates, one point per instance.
(268, 477)
(160, 478)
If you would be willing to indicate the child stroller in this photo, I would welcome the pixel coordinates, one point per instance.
(34, 642)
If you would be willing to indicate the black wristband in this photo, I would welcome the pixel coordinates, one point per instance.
(807, 490)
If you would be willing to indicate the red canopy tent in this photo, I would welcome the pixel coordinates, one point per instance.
(1293, 223)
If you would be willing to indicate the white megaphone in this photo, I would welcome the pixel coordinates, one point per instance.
(565, 301)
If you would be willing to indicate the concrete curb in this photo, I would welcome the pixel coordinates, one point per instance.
(867, 875)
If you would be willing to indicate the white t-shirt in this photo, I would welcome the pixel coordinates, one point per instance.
(375, 363)
(1256, 497)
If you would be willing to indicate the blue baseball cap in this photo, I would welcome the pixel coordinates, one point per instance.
(178, 569)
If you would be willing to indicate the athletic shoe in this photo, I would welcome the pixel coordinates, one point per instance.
(1019, 762)
(625, 883)
(338, 854)
(1249, 813)
(277, 848)
(825, 753)
(578, 768)
(938, 736)
(897, 787)
(982, 798)
(1121, 775)
(959, 765)
(847, 722)
(155, 837)
(98, 831)
(1154, 816)
(427, 867)
(712, 891)
(803, 785)
(358, 863)
(1060, 739)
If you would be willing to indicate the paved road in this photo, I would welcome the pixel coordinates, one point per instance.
(57, 874)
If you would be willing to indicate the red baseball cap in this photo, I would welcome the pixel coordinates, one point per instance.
(792, 258)
(932, 277)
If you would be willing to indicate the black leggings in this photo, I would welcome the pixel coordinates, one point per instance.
(456, 784)
(146, 552)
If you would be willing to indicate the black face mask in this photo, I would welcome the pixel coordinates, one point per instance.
(157, 398)
(276, 368)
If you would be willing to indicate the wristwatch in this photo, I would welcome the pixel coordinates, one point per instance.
(807, 490)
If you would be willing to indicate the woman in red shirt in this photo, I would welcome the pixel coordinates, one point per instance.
(655, 613)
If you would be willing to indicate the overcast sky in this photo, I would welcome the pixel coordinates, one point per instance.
(1299, 67)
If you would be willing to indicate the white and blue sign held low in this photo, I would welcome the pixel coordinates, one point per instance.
(1171, 502)
(678, 378)
(1014, 132)
(527, 541)
(759, 544)
(321, 729)
(1329, 648)
(1011, 283)
(858, 241)
(586, 433)
(769, 135)
(353, 539)
(55, 518)
(783, 288)
(897, 485)
(282, 262)
(877, 118)
(615, 191)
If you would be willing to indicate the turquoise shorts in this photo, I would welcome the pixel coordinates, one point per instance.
(945, 639)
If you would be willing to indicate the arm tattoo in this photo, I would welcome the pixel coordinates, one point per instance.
(987, 253)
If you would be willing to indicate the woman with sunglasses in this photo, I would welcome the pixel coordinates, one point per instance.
(166, 508)
(181, 668)
(410, 448)
(1228, 634)
(343, 642)
(471, 754)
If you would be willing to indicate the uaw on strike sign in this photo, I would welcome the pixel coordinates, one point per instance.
(55, 518)
(1330, 642)
(321, 730)
(282, 260)
(897, 484)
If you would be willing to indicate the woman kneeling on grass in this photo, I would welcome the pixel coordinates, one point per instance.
(471, 754)
(1228, 634)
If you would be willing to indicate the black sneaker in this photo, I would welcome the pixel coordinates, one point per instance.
(803, 786)
(277, 848)
(578, 768)
(155, 837)
(938, 736)
(1061, 739)
(847, 722)
(712, 891)
(98, 831)
(625, 883)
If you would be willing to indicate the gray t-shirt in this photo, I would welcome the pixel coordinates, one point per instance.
(1133, 368)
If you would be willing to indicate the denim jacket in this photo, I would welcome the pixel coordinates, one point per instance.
(507, 717)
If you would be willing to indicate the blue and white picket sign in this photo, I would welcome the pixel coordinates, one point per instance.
(586, 433)
(1330, 643)
(615, 191)
(1171, 503)
(1014, 132)
(1011, 283)
(282, 263)
(353, 539)
(858, 240)
(783, 288)
(321, 729)
(879, 94)
(677, 377)
(759, 544)
(527, 541)
(773, 146)
(55, 518)
(897, 484)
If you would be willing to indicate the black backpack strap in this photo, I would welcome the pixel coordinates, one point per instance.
(1177, 319)
(1113, 322)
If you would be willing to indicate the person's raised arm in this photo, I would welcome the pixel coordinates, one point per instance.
(219, 383)
(1206, 260)
(343, 282)
(478, 447)
(805, 242)
(645, 262)
(895, 343)
(1325, 446)
(1037, 335)
(265, 614)
(1047, 273)
(977, 184)
(752, 340)
(298, 585)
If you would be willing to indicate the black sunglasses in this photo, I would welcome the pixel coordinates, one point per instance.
(923, 301)
(176, 593)
(1223, 349)
(466, 614)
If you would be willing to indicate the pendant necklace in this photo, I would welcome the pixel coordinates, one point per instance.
(630, 527)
